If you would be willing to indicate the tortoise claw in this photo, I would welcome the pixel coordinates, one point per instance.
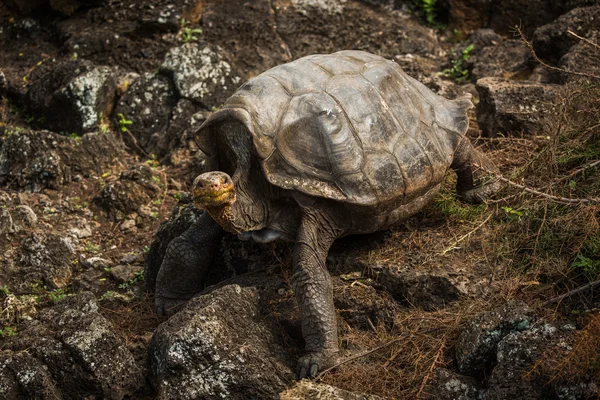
(310, 364)
(168, 307)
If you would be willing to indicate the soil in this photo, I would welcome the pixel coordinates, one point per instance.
(430, 274)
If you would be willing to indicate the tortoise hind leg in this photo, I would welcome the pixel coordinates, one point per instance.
(473, 184)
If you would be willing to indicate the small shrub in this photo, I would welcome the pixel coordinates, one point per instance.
(124, 122)
(57, 295)
(188, 34)
(91, 247)
(7, 331)
(459, 71)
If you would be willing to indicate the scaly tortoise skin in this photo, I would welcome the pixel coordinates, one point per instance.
(322, 147)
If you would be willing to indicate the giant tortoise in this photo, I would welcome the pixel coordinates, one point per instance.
(322, 147)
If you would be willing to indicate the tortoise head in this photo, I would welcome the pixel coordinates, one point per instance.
(213, 190)
(215, 193)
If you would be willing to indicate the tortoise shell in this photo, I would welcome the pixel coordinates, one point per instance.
(349, 126)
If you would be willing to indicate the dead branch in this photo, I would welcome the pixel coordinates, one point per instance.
(430, 371)
(564, 178)
(135, 142)
(584, 39)
(576, 172)
(570, 293)
(558, 199)
(376, 349)
(537, 59)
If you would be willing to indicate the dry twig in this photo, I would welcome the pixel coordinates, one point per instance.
(568, 176)
(453, 246)
(570, 293)
(430, 371)
(530, 47)
(558, 199)
(584, 39)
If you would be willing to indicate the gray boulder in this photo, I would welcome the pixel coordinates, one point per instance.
(148, 104)
(220, 346)
(476, 347)
(247, 31)
(308, 390)
(72, 352)
(449, 385)
(310, 27)
(516, 355)
(17, 218)
(70, 96)
(131, 194)
(34, 160)
(552, 41)
(201, 73)
(25, 377)
(502, 16)
(513, 107)
(583, 58)
(494, 56)
(41, 257)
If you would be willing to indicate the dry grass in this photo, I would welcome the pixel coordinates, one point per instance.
(133, 322)
(403, 369)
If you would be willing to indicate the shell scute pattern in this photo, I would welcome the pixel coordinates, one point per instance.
(349, 126)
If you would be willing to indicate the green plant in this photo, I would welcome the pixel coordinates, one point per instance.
(108, 295)
(7, 331)
(459, 71)
(450, 206)
(123, 122)
(57, 295)
(188, 34)
(4, 291)
(513, 214)
(429, 10)
(588, 258)
(137, 277)
(91, 247)
(71, 135)
(586, 264)
(152, 162)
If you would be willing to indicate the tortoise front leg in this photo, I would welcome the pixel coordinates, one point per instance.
(314, 294)
(186, 264)
(473, 184)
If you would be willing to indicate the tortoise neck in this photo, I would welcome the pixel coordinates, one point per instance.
(223, 215)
